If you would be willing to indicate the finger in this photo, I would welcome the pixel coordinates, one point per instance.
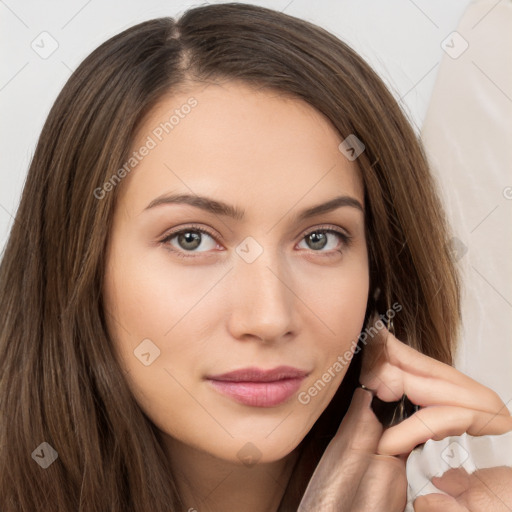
(389, 383)
(409, 359)
(454, 482)
(489, 489)
(438, 422)
(360, 429)
(392, 368)
(344, 462)
(399, 354)
(437, 503)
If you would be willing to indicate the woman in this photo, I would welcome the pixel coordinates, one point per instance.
(217, 210)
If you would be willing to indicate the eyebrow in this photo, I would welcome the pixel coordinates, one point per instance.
(220, 208)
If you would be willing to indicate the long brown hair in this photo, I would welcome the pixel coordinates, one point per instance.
(59, 380)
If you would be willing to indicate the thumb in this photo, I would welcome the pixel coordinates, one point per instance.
(346, 459)
(360, 430)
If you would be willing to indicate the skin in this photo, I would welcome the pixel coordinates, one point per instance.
(213, 311)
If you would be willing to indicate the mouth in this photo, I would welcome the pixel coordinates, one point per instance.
(259, 388)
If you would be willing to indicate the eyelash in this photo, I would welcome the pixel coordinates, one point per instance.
(346, 240)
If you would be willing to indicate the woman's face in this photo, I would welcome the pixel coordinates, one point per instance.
(266, 288)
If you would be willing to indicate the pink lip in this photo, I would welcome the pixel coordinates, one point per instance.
(259, 388)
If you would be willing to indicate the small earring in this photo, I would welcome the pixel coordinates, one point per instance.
(367, 389)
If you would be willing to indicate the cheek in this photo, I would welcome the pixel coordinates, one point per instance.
(338, 298)
(152, 312)
(150, 297)
(339, 307)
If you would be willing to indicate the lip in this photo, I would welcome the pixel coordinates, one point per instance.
(259, 388)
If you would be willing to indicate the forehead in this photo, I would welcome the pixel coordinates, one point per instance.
(235, 141)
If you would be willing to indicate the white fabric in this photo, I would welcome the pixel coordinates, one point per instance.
(468, 138)
(467, 134)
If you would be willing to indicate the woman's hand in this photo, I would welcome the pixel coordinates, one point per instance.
(351, 476)
(484, 490)
(452, 404)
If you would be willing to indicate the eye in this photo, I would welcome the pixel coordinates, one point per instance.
(320, 238)
(189, 239)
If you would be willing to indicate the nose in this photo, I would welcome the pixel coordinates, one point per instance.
(263, 305)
